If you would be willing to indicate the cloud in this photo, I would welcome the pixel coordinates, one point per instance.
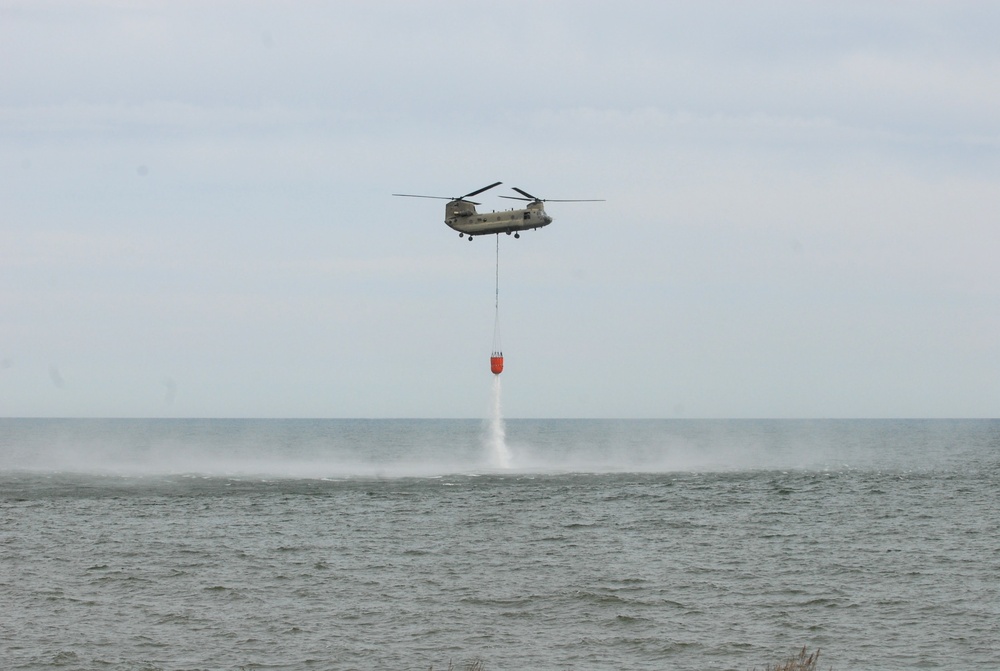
(794, 191)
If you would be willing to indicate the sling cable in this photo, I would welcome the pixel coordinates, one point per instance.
(496, 359)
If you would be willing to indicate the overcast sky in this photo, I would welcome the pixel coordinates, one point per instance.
(802, 214)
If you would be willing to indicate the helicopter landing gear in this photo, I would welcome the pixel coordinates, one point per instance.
(517, 235)
(470, 238)
(461, 235)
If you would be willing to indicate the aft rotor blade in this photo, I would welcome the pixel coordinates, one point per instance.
(413, 195)
(454, 200)
(485, 188)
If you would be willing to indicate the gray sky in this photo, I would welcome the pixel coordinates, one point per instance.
(802, 216)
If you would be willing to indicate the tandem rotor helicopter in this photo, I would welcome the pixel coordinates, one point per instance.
(461, 215)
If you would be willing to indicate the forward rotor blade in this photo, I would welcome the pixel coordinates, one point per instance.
(552, 200)
(525, 193)
(485, 188)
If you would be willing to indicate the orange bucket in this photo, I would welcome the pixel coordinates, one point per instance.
(496, 364)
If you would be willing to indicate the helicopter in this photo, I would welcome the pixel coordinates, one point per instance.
(461, 215)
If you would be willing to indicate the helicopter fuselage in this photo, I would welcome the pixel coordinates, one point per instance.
(462, 216)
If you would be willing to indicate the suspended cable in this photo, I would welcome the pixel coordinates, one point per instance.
(496, 359)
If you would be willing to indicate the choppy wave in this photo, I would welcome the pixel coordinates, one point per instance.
(642, 545)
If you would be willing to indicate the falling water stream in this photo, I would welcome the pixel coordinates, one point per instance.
(496, 441)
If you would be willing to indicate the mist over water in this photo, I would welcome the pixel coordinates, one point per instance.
(433, 448)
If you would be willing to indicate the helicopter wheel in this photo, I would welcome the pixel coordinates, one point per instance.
(470, 237)
(517, 235)
(508, 232)
(461, 235)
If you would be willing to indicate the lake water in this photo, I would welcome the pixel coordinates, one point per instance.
(574, 544)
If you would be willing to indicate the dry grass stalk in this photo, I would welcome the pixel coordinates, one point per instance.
(801, 663)
(474, 665)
